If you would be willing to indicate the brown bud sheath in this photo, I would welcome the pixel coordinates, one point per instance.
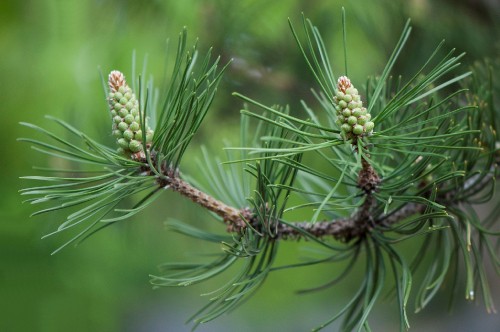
(343, 83)
(116, 79)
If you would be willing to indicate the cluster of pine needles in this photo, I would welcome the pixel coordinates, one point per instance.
(430, 160)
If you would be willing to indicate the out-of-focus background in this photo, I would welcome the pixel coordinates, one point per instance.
(51, 52)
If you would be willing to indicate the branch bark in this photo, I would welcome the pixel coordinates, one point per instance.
(343, 229)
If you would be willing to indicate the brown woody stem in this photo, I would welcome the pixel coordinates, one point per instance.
(343, 229)
(346, 229)
(233, 217)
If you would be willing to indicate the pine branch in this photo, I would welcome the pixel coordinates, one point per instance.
(343, 229)
(417, 165)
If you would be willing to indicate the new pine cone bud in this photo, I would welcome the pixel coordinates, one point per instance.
(352, 117)
(124, 109)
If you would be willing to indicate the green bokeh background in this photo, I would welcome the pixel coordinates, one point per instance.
(51, 52)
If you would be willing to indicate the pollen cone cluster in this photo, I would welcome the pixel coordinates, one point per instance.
(126, 120)
(352, 117)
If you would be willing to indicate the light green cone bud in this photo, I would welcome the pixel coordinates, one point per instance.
(357, 129)
(129, 118)
(346, 128)
(134, 126)
(122, 126)
(135, 146)
(123, 143)
(352, 118)
(128, 134)
(362, 120)
(123, 112)
(347, 98)
(124, 108)
(351, 90)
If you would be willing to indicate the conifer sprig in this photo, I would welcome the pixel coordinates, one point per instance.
(141, 166)
(409, 165)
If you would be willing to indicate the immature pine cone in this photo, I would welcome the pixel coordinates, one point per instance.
(352, 117)
(126, 120)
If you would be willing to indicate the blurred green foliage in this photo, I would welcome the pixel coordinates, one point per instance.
(51, 54)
